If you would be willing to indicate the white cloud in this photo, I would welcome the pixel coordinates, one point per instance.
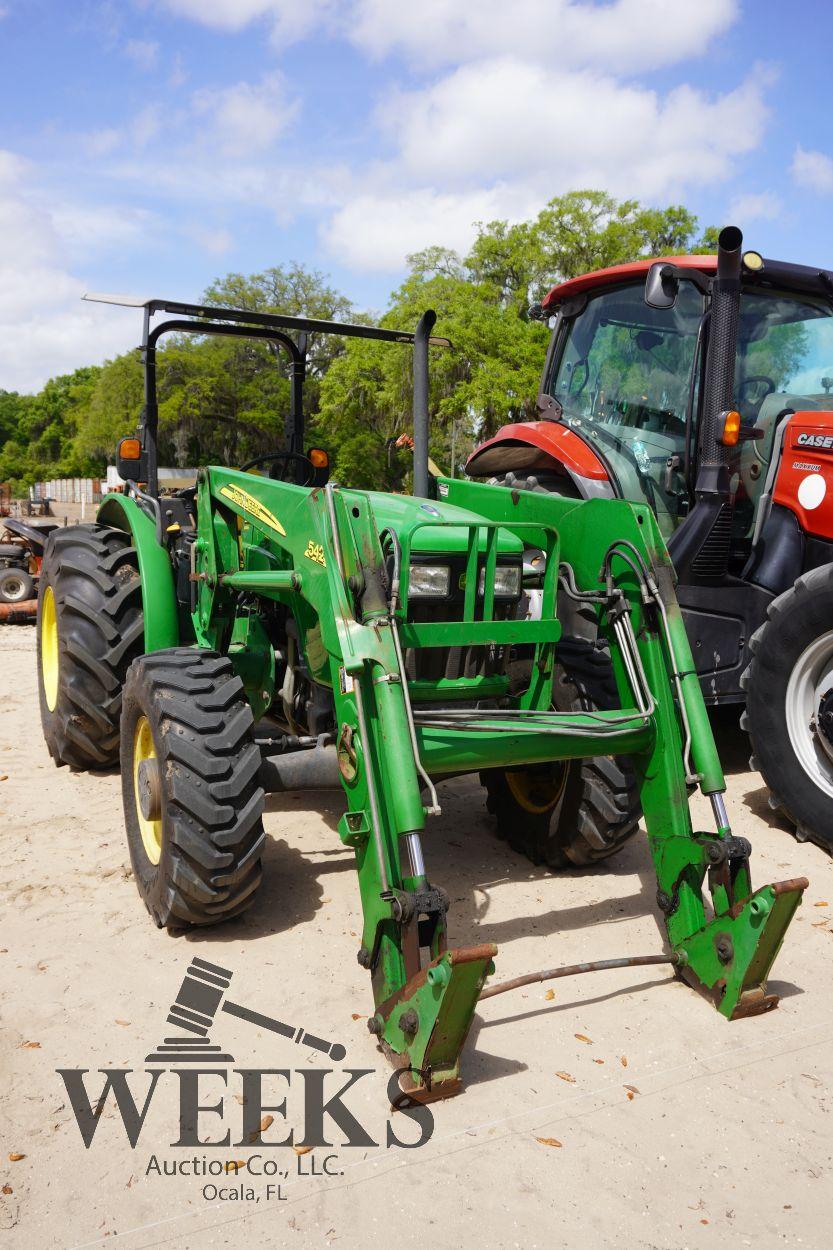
(621, 37)
(375, 231)
(146, 125)
(44, 328)
(143, 53)
(246, 118)
(290, 19)
(624, 36)
(812, 169)
(98, 143)
(755, 206)
(489, 141)
(498, 119)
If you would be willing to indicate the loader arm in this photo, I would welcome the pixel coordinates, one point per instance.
(326, 555)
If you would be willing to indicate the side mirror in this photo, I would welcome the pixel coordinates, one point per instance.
(661, 286)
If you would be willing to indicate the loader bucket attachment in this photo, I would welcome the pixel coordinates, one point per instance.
(732, 956)
(424, 1030)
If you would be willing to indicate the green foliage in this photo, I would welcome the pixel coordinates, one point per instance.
(491, 375)
(226, 400)
(38, 432)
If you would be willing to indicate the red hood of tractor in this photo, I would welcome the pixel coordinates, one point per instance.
(621, 273)
(555, 440)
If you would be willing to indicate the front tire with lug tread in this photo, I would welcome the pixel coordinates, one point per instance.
(192, 801)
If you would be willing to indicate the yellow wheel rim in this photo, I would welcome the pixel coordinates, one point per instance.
(151, 830)
(535, 792)
(49, 658)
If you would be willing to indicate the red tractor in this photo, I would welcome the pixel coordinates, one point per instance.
(702, 385)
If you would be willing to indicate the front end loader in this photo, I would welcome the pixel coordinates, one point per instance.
(272, 630)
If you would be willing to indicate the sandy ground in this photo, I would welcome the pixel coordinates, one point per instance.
(726, 1140)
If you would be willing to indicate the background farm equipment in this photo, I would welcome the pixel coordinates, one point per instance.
(271, 630)
(21, 554)
(700, 385)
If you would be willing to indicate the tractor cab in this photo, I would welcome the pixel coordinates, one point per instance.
(703, 387)
(626, 378)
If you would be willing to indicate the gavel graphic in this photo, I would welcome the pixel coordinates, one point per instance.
(195, 1008)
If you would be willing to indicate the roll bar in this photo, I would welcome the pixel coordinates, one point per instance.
(272, 327)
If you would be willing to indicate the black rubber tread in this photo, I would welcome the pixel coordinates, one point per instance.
(599, 810)
(540, 482)
(23, 580)
(94, 574)
(212, 804)
(794, 620)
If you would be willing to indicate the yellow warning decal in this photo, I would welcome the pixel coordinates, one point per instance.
(253, 506)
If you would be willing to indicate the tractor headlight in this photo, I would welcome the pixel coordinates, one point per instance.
(429, 581)
(507, 581)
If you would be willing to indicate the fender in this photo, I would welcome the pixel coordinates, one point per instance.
(158, 595)
(556, 442)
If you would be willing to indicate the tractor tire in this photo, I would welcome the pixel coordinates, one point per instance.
(193, 805)
(540, 482)
(788, 716)
(580, 811)
(16, 586)
(90, 628)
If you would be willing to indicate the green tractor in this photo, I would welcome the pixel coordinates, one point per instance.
(271, 630)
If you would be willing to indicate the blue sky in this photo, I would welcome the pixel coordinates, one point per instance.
(149, 146)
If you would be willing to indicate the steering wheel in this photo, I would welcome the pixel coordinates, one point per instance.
(757, 378)
(284, 457)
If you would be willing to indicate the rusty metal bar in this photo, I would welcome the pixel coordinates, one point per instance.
(25, 610)
(574, 970)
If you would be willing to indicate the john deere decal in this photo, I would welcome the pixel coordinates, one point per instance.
(253, 506)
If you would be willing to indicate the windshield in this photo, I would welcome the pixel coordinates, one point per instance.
(623, 376)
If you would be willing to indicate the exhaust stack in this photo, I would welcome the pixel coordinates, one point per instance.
(700, 549)
(720, 361)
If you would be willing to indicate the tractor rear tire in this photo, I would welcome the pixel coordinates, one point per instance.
(578, 812)
(786, 681)
(193, 804)
(90, 628)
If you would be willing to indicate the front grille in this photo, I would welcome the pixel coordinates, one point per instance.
(456, 663)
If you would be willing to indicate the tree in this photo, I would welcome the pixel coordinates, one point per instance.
(38, 432)
(491, 374)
